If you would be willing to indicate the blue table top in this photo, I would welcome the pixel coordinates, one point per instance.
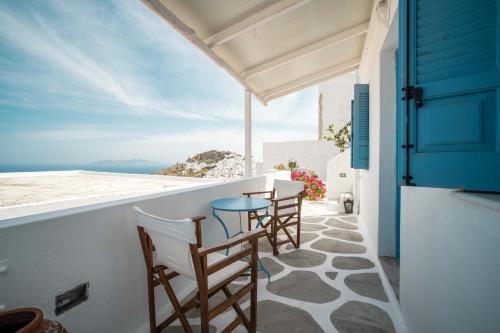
(240, 204)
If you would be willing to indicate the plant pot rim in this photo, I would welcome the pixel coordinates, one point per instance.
(33, 323)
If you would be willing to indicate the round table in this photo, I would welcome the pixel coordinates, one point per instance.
(241, 204)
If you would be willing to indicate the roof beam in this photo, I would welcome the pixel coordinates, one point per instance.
(158, 7)
(309, 80)
(267, 14)
(308, 49)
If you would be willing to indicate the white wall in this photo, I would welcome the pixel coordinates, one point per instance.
(310, 154)
(337, 95)
(99, 244)
(450, 241)
(336, 184)
(450, 268)
(377, 184)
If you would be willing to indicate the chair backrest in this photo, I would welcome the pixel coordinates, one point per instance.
(171, 239)
(286, 188)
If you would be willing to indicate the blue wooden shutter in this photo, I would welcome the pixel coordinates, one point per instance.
(352, 122)
(360, 127)
(451, 51)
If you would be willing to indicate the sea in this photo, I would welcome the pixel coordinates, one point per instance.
(137, 169)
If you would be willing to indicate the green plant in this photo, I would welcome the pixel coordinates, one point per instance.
(293, 165)
(342, 138)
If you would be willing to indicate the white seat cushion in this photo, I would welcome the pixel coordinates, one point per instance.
(225, 272)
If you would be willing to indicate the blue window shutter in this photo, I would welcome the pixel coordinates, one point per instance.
(450, 49)
(360, 127)
(352, 122)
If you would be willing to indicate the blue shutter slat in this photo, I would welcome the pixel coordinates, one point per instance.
(352, 134)
(360, 128)
(453, 52)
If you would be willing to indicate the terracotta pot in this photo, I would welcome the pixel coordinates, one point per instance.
(24, 320)
(27, 320)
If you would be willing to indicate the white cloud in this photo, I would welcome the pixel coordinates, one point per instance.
(40, 40)
(87, 59)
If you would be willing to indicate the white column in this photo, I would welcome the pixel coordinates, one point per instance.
(248, 133)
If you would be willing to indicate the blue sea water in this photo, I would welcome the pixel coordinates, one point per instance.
(147, 169)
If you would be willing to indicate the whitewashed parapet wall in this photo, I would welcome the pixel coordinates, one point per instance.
(310, 154)
(341, 176)
(99, 244)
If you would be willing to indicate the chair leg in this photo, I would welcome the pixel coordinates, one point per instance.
(294, 243)
(151, 303)
(298, 233)
(253, 293)
(237, 309)
(177, 307)
(274, 230)
(204, 314)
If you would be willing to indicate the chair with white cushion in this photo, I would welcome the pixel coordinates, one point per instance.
(174, 247)
(286, 198)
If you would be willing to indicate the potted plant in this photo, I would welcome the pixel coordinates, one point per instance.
(28, 320)
(314, 188)
(293, 165)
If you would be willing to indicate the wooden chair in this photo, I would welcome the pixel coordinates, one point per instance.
(285, 212)
(174, 247)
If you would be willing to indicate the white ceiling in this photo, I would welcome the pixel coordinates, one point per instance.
(274, 47)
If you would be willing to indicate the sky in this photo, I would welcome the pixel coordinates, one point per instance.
(89, 80)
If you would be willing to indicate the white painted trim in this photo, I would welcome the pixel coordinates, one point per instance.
(306, 50)
(267, 14)
(311, 79)
(159, 7)
(248, 134)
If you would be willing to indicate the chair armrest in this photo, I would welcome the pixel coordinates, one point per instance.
(258, 192)
(198, 218)
(241, 238)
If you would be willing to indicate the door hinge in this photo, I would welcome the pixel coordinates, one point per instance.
(415, 93)
(408, 181)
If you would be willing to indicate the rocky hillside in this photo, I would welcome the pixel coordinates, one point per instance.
(209, 164)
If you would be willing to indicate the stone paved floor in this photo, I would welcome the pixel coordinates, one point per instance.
(334, 283)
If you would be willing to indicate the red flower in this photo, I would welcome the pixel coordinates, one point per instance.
(314, 187)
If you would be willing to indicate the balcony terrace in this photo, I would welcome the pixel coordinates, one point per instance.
(334, 282)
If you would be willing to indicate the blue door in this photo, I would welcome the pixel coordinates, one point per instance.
(450, 58)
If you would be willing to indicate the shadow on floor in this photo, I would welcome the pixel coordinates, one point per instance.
(391, 269)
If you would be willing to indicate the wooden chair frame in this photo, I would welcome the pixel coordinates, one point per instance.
(279, 222)
(159, 275)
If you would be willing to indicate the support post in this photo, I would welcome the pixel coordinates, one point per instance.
(248, 134)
